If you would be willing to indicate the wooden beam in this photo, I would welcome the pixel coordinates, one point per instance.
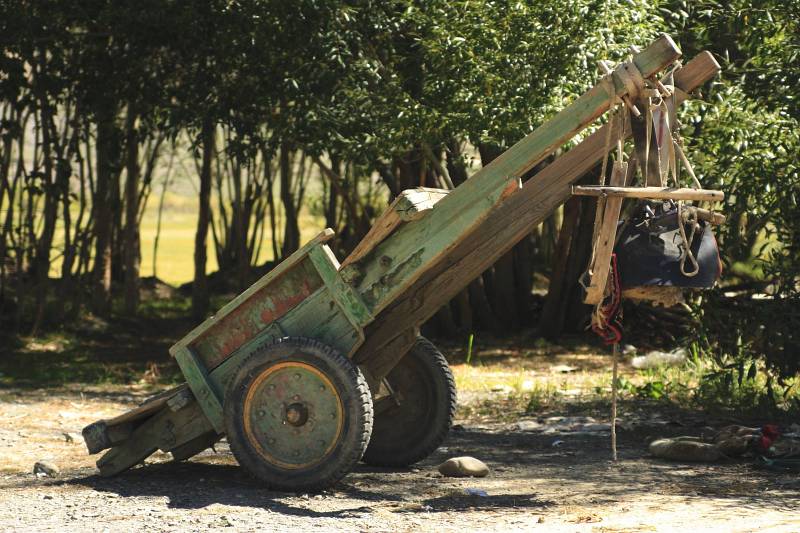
(504, 227)
(166, 430)
(656, 193)
(411, 204)
(395, 264)
(603, 248)
(106, 433)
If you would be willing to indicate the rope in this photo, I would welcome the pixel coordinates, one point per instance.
(614, 392)
(607, 318)
(686, 248)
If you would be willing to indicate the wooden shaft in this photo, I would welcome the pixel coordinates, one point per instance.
(656, 193)
(710, 216)
(504, 227)
(395, 264)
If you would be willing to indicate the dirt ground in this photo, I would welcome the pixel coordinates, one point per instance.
(548, 473)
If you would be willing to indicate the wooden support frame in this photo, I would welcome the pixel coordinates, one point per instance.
(394, 265)
(609, 209)
(654, 193)
(500, 231)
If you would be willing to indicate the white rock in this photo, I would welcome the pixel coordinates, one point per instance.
(45, 469)
(464, 467)
(657, 358)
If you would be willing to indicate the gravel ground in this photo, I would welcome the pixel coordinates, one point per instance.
(535, 483)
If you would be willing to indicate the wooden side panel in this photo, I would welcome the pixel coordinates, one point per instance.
(346, 297)
(209, 398)
(283, 267)
(318, 317)
(254, 314)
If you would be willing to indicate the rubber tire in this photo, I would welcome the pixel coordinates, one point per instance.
(410, 432)
(357, 408)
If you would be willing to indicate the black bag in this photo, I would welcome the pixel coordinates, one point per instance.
(649, 249)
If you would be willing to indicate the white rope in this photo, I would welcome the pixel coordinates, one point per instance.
(615, 356)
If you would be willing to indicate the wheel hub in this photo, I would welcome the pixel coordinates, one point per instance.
(297, 414)
(293, 414)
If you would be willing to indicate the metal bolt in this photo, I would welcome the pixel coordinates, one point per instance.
(297, 376)
(270, 441)
(296, 397)
(322, 388)
(333, 416)
(271, 387)
(261, 413)
(297, 453)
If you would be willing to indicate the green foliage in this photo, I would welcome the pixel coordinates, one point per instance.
(744, 139)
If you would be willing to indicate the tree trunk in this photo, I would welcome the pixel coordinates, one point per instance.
(200, 297)
(101, 274)
(291, 233)
(131, 251)
(551, 322)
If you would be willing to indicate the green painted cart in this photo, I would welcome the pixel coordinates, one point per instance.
(319, 364)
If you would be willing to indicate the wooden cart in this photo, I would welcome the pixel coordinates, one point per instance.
(319, 362)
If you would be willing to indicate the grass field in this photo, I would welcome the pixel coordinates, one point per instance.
(175, 259)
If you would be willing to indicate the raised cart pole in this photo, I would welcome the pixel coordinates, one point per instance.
(393, 266)
(392, 333)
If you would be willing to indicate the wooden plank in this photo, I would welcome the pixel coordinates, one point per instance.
(507, 225)
(411, 204)
(103, 434)
(257, 312)
(655, 193)
(383, 226)
(166, 430)
(601, 263)
(710, 216)
(99, 436)
(343, 293)
(395, 264)
(281, 268)
(209, 398)
(318, 317)
(195, 446)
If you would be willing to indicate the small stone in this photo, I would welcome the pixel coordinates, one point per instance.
(464, 467)
(526, 425)
(72, 437)
(45, 469)
(684, 449)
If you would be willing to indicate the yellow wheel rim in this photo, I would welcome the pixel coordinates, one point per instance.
(293, 415)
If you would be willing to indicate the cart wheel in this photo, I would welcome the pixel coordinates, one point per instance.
(425, 390)
(298, 415)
